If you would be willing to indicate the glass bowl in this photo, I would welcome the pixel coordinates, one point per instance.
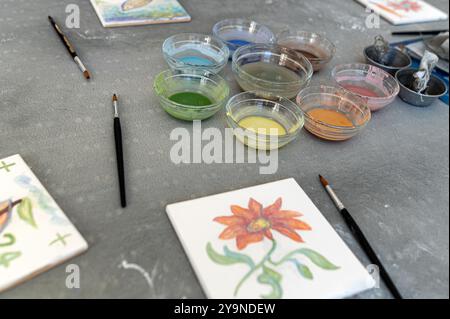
(271, 70)
(378, 87)
(333, 113)
(239, 32)
(194, 95)
(315, 47)
(263, 124)
(196, 51)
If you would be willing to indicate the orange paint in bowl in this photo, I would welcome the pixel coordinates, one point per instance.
(330, 117)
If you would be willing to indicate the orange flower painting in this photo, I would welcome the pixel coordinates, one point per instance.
(251, 225)
(255, 224)
(406, 5)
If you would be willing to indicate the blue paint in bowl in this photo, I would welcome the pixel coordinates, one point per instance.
(238, 42)
(240, 32)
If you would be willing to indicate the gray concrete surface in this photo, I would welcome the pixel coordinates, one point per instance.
(394, 177)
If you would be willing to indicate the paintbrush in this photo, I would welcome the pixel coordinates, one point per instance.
(361, 238)
(119, 151)
(8, 207)
(70, 48)
(419, 32)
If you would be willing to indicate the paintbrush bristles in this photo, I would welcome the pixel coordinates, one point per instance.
(87, 75)
(115, 99)
(323, 181)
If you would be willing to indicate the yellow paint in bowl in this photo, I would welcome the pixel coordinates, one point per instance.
(262, 125)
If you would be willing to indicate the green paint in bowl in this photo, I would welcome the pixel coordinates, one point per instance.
(191, 98)
(192, 94)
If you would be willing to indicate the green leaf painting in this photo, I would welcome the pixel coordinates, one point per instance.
(230, 257)
(25, 211)
(272, 278)
(318, 259)
(239, 257)
(303, 270)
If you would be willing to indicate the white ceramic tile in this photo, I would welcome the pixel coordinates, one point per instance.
(116, 13)
(35, 235)
(405, 11)
(335, 271)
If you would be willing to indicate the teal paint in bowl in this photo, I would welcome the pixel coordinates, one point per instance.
(196, 61)
(195, 52)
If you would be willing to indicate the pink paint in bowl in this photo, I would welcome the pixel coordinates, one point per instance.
(376, 86)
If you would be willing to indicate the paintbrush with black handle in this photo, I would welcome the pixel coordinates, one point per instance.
(119, 152)
(419, 32)
(70, 48)
(361, 238)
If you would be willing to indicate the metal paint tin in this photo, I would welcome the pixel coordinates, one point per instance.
(436, 89)
(393, 60)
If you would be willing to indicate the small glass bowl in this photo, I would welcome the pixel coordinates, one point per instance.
(239, 32)
(378, 87)
(271, 70)
(334, 99)
(315, 47)
(196, 51)
(210, 85)
(248, 105)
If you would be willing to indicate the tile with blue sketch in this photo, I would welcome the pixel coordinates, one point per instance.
(115, 13)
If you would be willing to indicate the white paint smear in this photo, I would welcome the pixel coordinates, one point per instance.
(142, 271)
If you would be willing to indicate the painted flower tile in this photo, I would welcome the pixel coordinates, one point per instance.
(268, 241)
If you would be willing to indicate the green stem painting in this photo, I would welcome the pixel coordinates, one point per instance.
(267, 267)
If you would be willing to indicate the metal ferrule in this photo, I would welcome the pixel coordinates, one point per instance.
(335, 199)
(80, 64)
(116, 109)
